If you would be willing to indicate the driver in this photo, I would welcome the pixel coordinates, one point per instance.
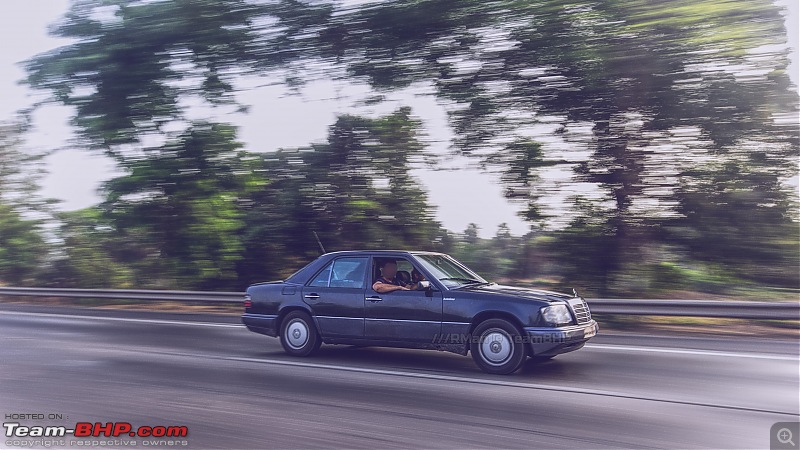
(388, 281)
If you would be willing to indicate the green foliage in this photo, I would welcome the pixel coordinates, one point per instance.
(184, 201)
(669, 276)
(131, 62)
(674, 113)
(740, 216)
(501, 258)
(355, 191)
(23, 250)
(637, 73)
(93, 255)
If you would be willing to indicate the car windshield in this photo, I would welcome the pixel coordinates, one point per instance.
(448, 271)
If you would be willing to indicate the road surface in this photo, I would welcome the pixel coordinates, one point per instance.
(235, 389)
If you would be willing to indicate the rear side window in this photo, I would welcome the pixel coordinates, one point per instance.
(322, 278)
(349, 272)
(343, 273)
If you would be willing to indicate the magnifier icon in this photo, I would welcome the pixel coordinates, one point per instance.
(785, 436)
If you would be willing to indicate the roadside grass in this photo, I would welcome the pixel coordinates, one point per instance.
(711, 326)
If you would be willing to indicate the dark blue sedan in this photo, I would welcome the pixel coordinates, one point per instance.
(417, 300)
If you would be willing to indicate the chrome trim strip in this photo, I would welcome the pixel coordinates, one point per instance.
(393, 320)
(339, 317)
(396, 320)
(260, 316)
(403, 320)
(567, 328)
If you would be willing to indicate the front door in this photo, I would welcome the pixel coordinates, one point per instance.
(402, 316)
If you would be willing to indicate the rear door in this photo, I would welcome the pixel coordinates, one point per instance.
(336, 297)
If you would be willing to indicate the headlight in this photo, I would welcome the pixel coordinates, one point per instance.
(556, 314)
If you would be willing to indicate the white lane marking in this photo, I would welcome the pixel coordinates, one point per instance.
(473, 380)
(630, 348)
(401, 373)
(685, 351)
(124, 319)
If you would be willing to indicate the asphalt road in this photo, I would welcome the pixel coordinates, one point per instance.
(236, 389)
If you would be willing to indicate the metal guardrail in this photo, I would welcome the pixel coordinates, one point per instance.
(637, 307)
(697, 308)
(126, 294)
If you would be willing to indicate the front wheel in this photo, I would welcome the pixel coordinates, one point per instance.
(497, 347)
(299, 336)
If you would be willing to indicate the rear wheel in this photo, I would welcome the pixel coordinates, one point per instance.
(497, 347)
(299, 336)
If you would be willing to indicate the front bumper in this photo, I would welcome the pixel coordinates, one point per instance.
(553, 341)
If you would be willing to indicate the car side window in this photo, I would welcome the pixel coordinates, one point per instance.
(404, 269)
(349, 272)
(343, 273)
(323, 277)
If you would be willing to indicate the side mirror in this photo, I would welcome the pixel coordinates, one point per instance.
(424, 285)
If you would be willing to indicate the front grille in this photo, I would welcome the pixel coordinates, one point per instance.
(581, 310)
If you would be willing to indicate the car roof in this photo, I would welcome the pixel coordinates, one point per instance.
(378, 252)
(302, 275)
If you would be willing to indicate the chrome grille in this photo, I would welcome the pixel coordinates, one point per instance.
(581, 310)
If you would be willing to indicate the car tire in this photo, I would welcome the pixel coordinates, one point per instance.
(299, 336)
(497, 347)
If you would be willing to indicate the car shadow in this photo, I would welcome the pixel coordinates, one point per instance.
(426, 361)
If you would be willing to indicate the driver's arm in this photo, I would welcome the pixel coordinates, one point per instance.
(383, 288)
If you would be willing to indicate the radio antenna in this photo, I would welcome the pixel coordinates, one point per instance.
(319, 242)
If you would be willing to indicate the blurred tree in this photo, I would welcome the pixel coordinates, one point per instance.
(657, 104)
(503, 237)
(23, 249)
(639, 75)
(739, 218)
(130, 63)
(355, 191)
(469, 250)
(94, 255)
(584, 248)
(131, 70)
(184, 201)
(500, 258)
(471, 234)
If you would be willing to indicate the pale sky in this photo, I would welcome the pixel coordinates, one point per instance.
(274, 121)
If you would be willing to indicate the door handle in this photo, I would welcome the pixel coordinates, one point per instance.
(311, 296)
(374, 298)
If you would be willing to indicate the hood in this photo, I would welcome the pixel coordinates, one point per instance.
(520, 292)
